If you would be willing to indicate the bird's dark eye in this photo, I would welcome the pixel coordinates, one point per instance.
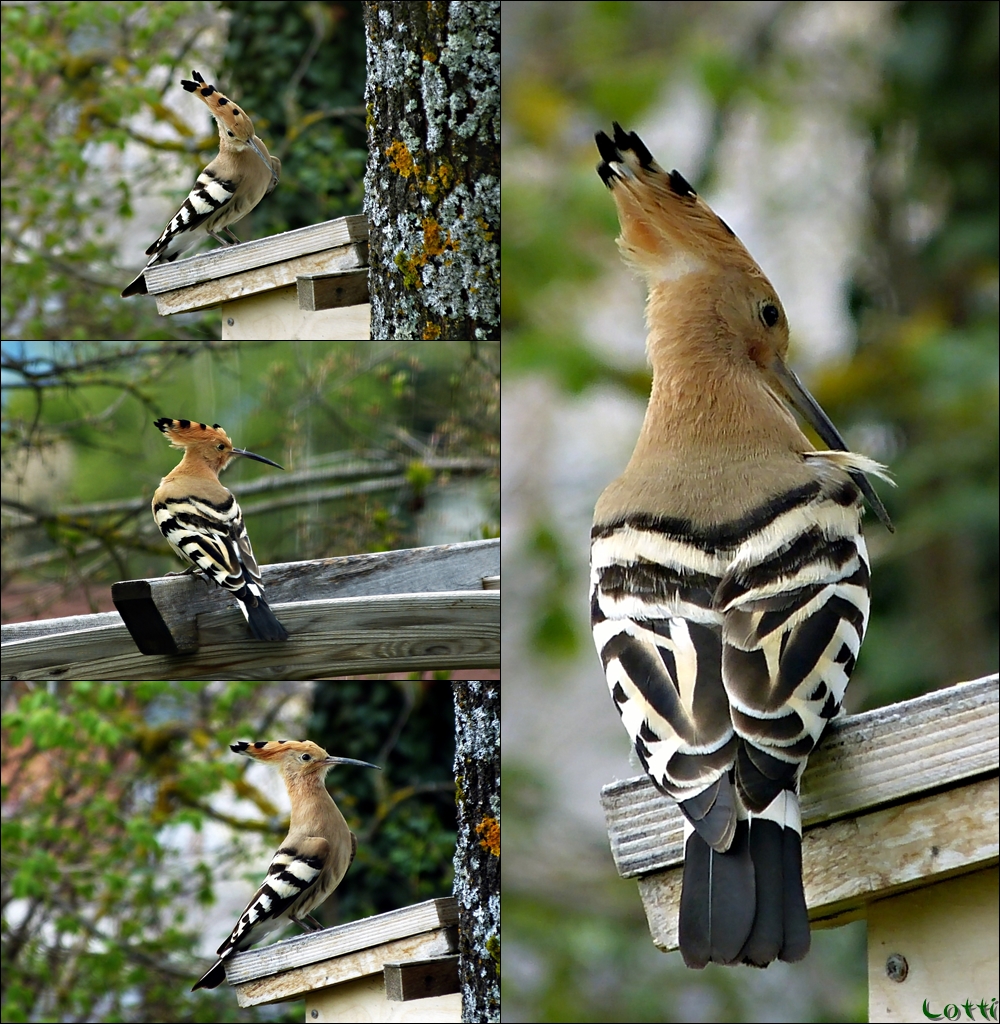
(769, 314)
(221, 447)
(306, 757)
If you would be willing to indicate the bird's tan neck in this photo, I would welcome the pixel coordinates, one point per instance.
(195, 464)
(715, 443)
(311, 804)
(719, 411)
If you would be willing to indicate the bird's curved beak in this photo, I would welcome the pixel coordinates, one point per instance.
(350, 760)
(813, 414)
(267, 163)
(259, 458)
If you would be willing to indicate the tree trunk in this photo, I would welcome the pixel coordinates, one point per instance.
(477, 849)
(432, 187)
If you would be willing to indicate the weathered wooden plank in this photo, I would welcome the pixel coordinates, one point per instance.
(12, 631)
(331, 291)
(440, 567)
(343, 939)
(340, 636)
(330, 981)
(313, 238)
(421, 979)
(848, 863)
(180, 601)
(863, 761)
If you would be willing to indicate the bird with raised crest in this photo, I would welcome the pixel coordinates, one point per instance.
(729, 574)
(202, 522)
(312, 859)
(225, 191)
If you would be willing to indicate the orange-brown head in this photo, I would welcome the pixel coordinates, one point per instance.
(705, 289)
(235, 127)
(203, 445)
(718, 335)
(294, 757)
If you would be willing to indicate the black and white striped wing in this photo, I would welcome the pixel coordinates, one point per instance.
(206, 204)
(208, 535)
(659, 639)
(794, 605)
(292, 875)
(200, 531)
(212, 536)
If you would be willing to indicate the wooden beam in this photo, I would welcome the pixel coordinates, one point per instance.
(333, 637)
(82, 646)
(332, 291)
(421, 979)
(342, 939)
(850, 863)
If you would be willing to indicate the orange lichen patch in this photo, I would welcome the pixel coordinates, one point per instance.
(431, 332)
(438, 181)
(489, 829)
(431, 183)
(401, 160)
(434, 244)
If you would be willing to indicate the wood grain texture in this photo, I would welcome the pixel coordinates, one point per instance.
(341, 232)
(421, 979)
(297, 981)
(307, 962)
(245, 284)
(332, 291)
(100, 647)
(347, 636)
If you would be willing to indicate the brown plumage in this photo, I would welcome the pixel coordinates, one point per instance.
(312, 859)
(225, 191)
(729, 576)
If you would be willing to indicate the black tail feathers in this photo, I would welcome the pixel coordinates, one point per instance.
(745, 905)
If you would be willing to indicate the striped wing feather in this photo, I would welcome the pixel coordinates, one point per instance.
(291, 878)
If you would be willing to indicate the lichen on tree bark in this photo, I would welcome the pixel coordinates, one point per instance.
(432, 187)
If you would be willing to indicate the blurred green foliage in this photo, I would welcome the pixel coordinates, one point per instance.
(106, 788)
(406, 857)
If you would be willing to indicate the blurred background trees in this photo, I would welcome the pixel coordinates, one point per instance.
(853, 147)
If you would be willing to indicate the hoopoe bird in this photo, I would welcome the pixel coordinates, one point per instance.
(203, 524)
(312, 860)
(225, 191)
(729, 576)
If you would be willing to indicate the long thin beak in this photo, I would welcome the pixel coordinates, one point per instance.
(821, 423)
(259, 458)
(267, 163)
(350, 760)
